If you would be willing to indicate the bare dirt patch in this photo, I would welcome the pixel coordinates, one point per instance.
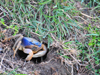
(50, 64)
(47, 65)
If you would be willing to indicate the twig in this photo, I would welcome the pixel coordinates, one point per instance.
(72, 70)
(59, 44)
(1, 13)
(35, 33)
(88, 15)
(77, 60)
(81, 18)
(3, 56)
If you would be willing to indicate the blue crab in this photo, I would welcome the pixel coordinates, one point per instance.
(30, 46)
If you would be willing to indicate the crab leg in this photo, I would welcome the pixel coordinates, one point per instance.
(19, 40)
(37, 52)
(15, 50)
(11, 37)
(17, 43)
(30, 52)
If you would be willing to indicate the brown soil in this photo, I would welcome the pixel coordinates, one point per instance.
(50, 64)
(46, 65)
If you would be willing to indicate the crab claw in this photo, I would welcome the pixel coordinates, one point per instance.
(30, 52)
(41, 53)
